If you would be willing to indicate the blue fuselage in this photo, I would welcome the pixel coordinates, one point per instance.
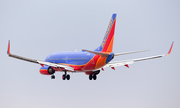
(72, 58)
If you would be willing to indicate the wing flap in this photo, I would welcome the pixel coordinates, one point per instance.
(56, 65)
(121, 63)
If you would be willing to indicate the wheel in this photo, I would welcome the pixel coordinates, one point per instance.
(52, 77)
(68, 77)
(94, 77)
(64, 77)
(90, 77)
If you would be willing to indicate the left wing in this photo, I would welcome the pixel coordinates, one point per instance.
(42, 63)
(127, 62)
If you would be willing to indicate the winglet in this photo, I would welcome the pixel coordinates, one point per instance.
(8, 51)
(170, 49)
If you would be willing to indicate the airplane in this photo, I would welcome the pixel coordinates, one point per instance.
(86, 61)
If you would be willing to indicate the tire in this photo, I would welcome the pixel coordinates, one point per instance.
(90, 77)
(52, 77)
(68, 77)
(94, 77)
(64, 77)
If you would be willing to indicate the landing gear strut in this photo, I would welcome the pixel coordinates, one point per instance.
(65, 76)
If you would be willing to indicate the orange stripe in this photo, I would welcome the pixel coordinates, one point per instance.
(110, 47)
(100, 62)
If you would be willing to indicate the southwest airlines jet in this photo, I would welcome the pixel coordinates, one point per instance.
(89, 62)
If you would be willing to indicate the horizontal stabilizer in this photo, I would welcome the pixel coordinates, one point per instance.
(117, 54)
(98, 53)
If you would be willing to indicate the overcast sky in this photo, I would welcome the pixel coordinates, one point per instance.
(38, 28)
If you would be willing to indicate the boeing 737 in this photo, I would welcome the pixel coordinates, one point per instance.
(86, 61)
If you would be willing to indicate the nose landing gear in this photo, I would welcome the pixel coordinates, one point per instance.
(52, 77)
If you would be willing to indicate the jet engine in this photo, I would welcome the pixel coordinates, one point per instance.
(47, 70)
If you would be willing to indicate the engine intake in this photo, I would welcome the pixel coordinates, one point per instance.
(51, 70)
(47, 70)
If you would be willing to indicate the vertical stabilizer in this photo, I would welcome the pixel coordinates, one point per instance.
(107, 44)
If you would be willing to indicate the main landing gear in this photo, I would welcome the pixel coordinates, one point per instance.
(65, 76)
(92, 76)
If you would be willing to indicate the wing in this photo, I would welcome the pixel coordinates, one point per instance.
(42, 63)
(127, 62)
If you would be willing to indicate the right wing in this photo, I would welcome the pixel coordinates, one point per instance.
(127, 62)
(42, 63)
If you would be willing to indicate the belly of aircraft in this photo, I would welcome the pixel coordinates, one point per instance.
(80, 61)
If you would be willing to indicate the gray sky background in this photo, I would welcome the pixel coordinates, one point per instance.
(38, 28)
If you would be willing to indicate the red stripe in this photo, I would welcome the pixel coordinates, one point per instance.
(92, 64)
(44, 72)
(109, 37)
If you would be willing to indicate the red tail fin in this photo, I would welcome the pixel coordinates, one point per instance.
(107, 44)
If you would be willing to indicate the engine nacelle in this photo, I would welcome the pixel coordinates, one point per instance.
(46, 70)
(110, 57)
